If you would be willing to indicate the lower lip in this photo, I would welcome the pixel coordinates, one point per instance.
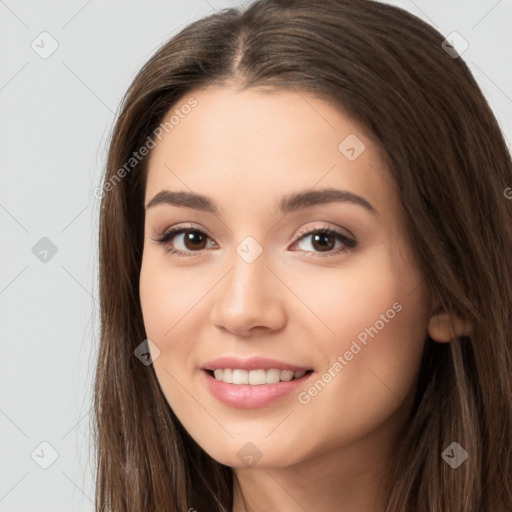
(247, 396)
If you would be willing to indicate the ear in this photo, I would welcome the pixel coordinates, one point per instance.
(445, 327)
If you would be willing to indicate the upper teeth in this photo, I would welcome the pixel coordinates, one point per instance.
(256, 377)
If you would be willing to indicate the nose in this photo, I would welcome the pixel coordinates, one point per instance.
(250, 297)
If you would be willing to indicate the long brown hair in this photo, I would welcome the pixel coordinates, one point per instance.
(451, 165)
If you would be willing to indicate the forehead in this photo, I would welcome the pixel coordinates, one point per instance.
(258, 144)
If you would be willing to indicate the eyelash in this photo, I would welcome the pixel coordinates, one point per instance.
(167, 235)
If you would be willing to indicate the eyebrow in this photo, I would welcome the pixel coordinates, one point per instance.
(287, 204)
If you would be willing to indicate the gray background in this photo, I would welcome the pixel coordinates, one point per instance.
(56, 116)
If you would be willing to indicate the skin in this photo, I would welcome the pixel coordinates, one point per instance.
(245, 150)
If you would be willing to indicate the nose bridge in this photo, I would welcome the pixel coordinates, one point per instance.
(249, 275)
(248, 297)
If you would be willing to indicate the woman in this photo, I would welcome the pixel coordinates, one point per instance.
(339, 338)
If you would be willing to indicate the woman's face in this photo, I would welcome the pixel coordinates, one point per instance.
(258, 275)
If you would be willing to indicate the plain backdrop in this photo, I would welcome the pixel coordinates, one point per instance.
(56, 114)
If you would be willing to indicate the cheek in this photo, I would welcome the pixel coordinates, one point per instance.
(365, 300)
(379, 315)
(169, 299)
(380, 364)
(174, 302)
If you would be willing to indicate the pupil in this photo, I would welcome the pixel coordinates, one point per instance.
(194, 237)
(322, 237)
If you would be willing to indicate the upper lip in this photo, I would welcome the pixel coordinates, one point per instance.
(252, 363)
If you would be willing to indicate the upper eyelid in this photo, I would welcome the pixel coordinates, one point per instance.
(179, 229)
(327, 226)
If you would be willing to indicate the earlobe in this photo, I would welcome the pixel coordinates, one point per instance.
(445, 327)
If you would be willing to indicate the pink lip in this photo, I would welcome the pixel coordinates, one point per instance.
(246, 396)
(252, 363)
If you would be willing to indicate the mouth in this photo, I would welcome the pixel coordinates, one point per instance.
(243, 389)
(258, 377)
(253, 382)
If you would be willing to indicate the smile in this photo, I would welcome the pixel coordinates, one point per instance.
(256, 377)
(251, 396)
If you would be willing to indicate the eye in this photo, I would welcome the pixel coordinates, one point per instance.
(191, 240)
(323, 240)
(188, 238)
